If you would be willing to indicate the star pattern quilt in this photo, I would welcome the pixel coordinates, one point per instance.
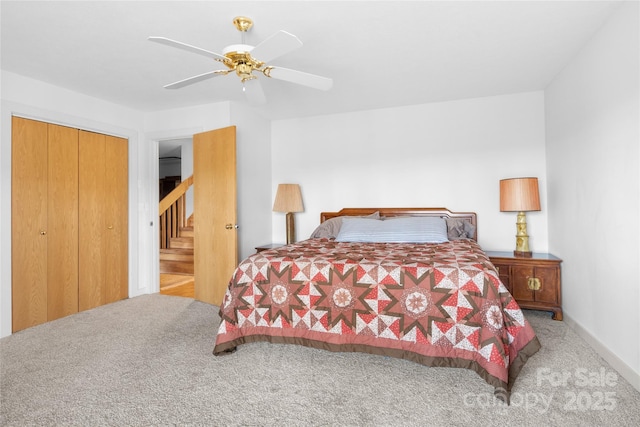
(435, 304)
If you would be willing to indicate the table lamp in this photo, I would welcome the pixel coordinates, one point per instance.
(520, 195)
(289, 200)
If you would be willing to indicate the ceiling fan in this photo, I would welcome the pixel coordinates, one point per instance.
(244, 60)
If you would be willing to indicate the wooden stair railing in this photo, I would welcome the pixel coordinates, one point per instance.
(173, 213)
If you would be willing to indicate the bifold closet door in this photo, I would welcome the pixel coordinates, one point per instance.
(62, 219)
(28, 223)
(116, 256)
(103, 272)
(44, 222)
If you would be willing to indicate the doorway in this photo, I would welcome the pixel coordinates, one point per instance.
(215, 237)
(176, 260)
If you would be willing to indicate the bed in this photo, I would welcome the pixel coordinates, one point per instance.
(438, 302)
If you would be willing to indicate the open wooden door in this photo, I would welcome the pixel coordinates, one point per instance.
(214, 206)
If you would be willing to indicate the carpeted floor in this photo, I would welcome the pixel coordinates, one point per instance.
(148, 361)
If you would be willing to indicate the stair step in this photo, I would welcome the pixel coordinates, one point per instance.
(181, 242)
(186, 232)
(176, 267)
(176, 255)
(176, 261)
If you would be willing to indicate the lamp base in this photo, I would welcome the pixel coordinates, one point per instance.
(522, 254)
(522, 238)
(291, 228)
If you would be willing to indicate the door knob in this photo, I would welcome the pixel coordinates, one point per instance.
(43, 233)
(231, 226)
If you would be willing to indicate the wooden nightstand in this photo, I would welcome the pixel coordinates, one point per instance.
(268, 246)
(534, 282)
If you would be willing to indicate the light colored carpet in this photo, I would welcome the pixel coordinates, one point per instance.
(148, 361)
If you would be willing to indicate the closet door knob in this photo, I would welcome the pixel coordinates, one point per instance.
(43, 233)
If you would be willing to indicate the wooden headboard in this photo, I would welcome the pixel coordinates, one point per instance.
(395, 212)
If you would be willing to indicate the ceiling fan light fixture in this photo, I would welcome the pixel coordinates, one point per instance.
(244, 70)
(240, 60)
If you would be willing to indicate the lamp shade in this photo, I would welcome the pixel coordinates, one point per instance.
(288, 199)
(519, 195)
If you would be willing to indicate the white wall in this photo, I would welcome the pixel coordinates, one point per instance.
(593, 134)
(253, 151)
(40, 101)
(449, 154)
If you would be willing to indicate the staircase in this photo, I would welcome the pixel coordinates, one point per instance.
(176, 244)
(178, 257)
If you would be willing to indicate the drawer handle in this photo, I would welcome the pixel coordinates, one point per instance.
(533, 283)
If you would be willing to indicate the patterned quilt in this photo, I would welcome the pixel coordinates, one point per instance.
(435, 304)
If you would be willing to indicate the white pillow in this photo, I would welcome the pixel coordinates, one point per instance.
(394, 230)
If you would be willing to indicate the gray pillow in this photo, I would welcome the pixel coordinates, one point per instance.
(459, 229)
(331, 227)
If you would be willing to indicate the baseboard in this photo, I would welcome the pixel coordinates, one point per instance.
(616, 363)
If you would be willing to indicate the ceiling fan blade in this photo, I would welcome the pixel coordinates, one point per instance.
(253, 91)
(195, 79)
(187, 47)
(299, 77)
(276, 45)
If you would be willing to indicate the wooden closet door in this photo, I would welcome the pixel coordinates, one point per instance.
(28, 223)
(116, 212)
(103, 238)
(92, 223)
(62, 218)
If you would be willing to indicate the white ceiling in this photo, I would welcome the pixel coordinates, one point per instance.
(379, 53)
